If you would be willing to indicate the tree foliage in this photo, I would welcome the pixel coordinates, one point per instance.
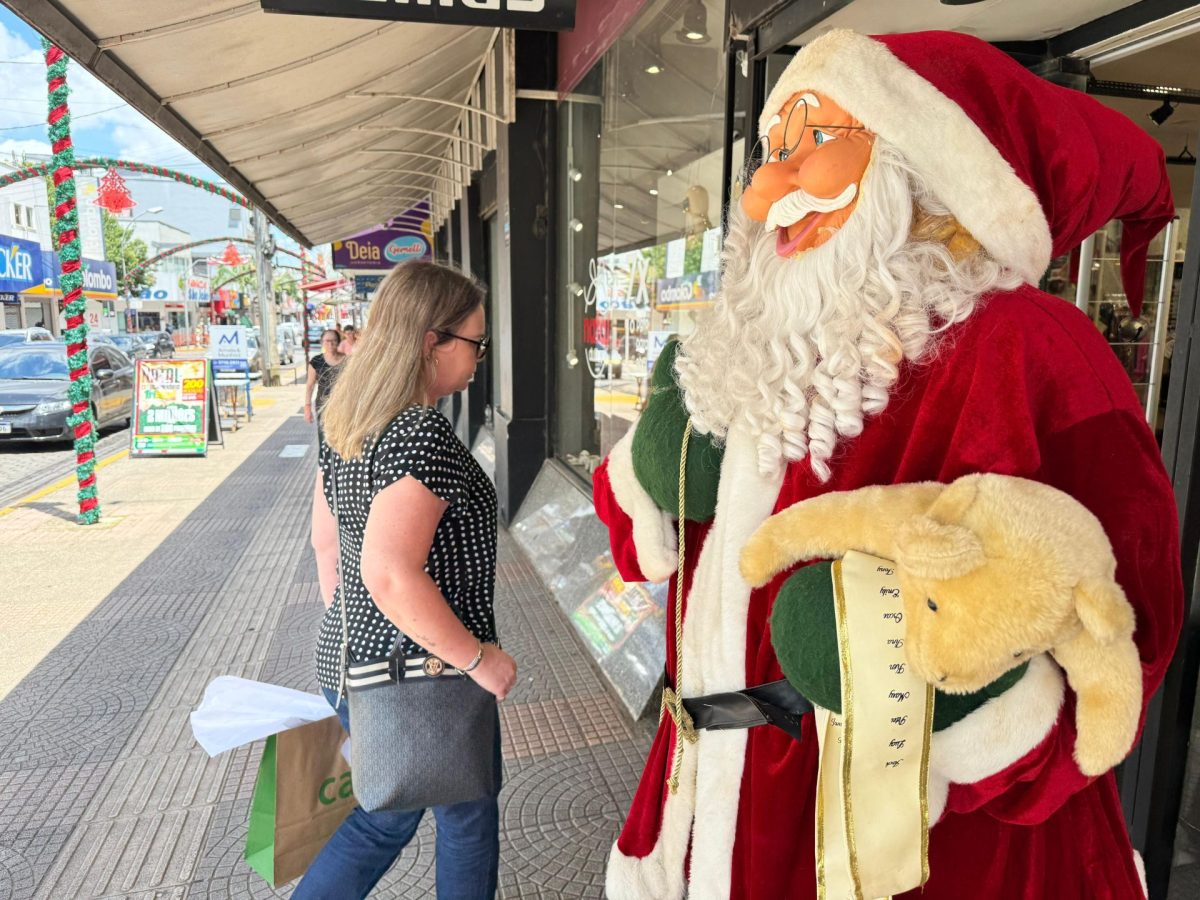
(125, 252)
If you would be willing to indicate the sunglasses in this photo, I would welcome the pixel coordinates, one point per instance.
(481, 347)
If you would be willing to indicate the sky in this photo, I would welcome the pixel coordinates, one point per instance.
(102, 124)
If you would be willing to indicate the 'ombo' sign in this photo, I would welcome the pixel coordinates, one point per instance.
(532, 15)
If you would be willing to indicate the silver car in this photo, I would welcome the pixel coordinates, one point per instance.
(33, 390)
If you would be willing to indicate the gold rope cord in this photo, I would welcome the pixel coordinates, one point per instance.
(672, 698)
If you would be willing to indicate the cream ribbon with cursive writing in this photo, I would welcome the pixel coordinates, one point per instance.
(872, 831)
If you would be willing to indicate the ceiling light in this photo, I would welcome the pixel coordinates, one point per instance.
(574, 174)
(653, 68)
(670, 172)
(618, 206)
(1160, 114)
(653, 192)
(575, 225)
(695, 23)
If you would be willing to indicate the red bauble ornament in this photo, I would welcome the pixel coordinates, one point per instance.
(231, 257)
(113, 195)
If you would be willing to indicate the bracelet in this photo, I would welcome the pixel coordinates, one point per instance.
(474, 664)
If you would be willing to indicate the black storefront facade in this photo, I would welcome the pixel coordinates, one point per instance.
(596, 224)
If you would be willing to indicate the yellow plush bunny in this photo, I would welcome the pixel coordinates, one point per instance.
(993, 570)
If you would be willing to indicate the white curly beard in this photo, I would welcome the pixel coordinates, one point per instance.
(800, 350)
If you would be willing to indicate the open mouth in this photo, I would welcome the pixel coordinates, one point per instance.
(785, 246)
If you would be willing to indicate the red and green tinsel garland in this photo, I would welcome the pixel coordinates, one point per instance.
(66, 240)
(107, 162)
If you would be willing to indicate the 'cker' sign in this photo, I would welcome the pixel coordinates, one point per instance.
(530, 15)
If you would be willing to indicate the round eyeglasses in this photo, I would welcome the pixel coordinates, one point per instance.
(764, 152)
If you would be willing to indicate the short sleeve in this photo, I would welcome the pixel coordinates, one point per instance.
(421, 443)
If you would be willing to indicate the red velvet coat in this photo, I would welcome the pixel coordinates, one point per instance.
(1027, 387)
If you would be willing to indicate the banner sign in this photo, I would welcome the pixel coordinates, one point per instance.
(365, 286)
(20, 265)
(228, 349)
(695, 290)
(528, 15)
(384, 248)
(170, 415)
(99, 277)
(197, 289)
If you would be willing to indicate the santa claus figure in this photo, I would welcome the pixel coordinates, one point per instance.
(879, 323)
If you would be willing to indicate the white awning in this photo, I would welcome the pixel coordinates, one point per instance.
(329, 125)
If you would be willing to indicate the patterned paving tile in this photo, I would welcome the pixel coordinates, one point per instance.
(104, 794)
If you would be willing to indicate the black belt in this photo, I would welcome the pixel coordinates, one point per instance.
(776, 703)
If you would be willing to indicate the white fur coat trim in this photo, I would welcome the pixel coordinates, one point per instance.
(996, 735)
(653, 529)
(935, 135)
(714, 659)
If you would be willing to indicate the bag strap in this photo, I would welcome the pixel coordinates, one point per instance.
(337, 524)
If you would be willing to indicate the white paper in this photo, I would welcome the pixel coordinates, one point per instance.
(676, 250)
(237, 711)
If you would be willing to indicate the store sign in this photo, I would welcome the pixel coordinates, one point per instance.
(383, 248)
(228, 348)
(20, 265)
(365, 286)
(99, 277)
(695, 290)
(529, 15)
(197, 289)
(170, 416)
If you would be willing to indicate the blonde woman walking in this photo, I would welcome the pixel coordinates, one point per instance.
(417, 521)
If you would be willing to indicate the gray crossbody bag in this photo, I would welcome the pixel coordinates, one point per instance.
(422, 733)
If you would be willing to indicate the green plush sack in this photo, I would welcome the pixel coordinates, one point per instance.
(656, 446)
(804, 635)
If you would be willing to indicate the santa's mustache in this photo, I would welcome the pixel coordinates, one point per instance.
(799, 203)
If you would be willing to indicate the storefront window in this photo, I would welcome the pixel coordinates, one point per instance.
(640, 159)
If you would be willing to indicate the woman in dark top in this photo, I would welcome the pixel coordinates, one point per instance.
(322, 369)
(417, 527)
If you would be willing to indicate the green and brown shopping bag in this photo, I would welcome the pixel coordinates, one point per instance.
(302, 794)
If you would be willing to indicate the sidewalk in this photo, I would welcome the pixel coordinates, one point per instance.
(195, 574)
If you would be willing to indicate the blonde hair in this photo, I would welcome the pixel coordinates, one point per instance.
(388, 372)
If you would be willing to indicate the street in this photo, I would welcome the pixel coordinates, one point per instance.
(26, 468)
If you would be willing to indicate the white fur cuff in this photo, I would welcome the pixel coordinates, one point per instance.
(653, 529)
(996, 735)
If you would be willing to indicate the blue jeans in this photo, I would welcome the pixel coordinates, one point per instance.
(367, 843)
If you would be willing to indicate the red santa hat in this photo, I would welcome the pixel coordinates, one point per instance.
(1029, 168)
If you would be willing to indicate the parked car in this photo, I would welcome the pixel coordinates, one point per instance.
(252, 355)
(24, 335)
(132, 345)
(33, 390)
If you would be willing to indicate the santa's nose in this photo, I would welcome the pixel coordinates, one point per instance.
(771, 182)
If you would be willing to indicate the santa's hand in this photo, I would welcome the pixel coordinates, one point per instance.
(654, 531)
(996, 735)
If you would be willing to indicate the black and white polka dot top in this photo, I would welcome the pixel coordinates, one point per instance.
(421, 443)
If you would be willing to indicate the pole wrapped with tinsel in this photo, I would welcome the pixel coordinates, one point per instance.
(66, 241)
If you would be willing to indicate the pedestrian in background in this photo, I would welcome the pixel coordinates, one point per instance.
(349, 340)
(322, 369)
(416, 523)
